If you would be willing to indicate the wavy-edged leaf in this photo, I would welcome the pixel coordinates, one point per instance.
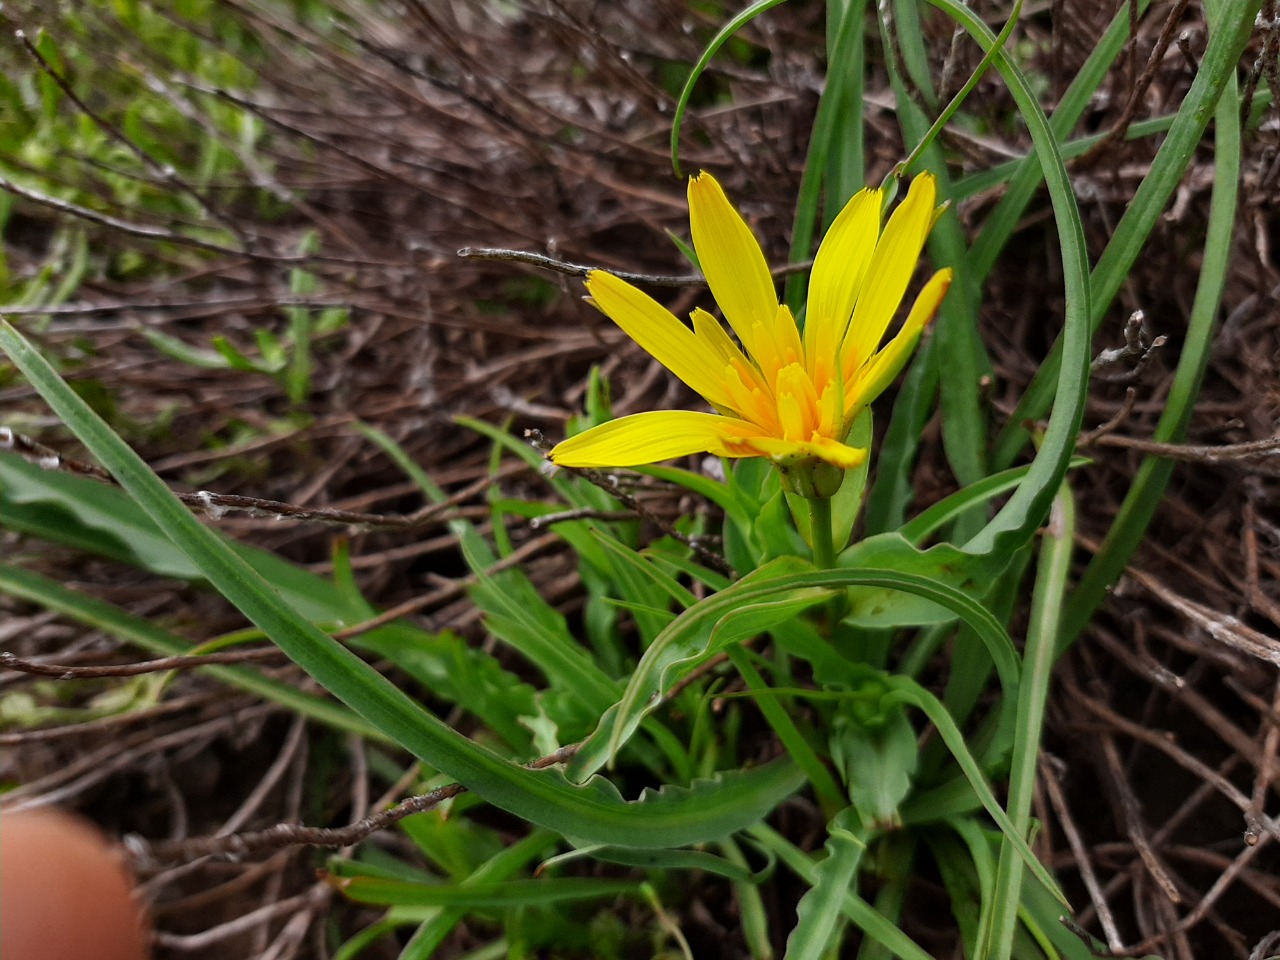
(765, 598)
(819, 921)
(668, 860)
(889, 607)
(477, 896)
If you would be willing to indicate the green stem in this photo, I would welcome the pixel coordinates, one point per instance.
(824, 554)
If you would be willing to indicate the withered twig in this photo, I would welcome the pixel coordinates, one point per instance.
(217, 505)
(142, 306)
(581, 270)
(63, 671)
(1258, 599)
(1135, 349)
(1135, 824)
(1268, 62)
(1111, 425)
(292, 835)
(1211, 896)
(243, 924)
(1049, 776)
(1223, 628)
(166, 235)
(609, 485)
(1196, 453)
(1121, 127)
(1265, 769)
(47, 458)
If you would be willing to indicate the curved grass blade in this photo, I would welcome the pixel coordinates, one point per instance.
(1017, 520)
(937, 515)
(908, 691)
(1004, 219)
(1221, 57)
(723, 34)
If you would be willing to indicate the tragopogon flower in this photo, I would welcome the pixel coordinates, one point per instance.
(789, 397)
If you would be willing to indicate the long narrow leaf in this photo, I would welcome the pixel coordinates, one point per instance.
(1017, 520)
(594, 811)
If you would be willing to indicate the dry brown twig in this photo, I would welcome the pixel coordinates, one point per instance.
(609, 484)
(580, 270)
(217, 505)
(150, 853)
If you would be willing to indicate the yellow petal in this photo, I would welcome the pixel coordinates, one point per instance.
(879, 373)
(778, 344)
(666, 339)
(824, 448)
(708, 329)
(798, 412)
(890, 270)
(731, 260)
(838, 272)
(653, 436)
(752, 401)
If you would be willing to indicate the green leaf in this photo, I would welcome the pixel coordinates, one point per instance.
(476, 896)
(890, 607)
(819, 921)
(877, 762)
(765, 598)
(743, 609)
(666, 860)
(84, 514)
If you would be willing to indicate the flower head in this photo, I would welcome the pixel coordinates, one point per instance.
(784, 395)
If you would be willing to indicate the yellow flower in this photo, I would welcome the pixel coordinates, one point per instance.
(788, 397)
